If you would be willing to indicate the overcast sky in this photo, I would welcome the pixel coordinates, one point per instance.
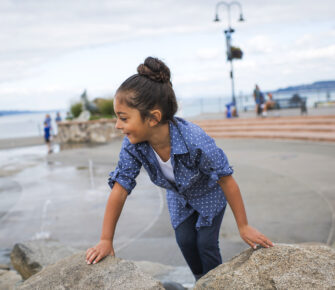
(52, 50)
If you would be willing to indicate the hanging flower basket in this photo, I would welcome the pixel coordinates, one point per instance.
(236, 52)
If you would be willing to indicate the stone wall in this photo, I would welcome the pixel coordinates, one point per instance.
(97, 131)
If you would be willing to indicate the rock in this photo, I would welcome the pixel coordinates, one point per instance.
(280, 267)
(9, 280)
(178, 277)
(4, 267)
(30, 257)
(94, 131)
(159, 272)
(170, 285)
(153, 269)
(73, 273)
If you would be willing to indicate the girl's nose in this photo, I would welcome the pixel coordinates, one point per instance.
(117, 124)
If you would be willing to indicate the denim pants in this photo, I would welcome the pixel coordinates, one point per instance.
(200, 248)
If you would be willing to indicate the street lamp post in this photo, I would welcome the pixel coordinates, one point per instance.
(228, 33)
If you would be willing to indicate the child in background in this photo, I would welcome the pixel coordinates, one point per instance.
(180, 157)
(47, 136)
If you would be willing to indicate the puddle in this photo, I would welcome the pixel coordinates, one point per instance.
(67, 203)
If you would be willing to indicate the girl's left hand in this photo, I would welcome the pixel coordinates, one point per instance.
(253, 237)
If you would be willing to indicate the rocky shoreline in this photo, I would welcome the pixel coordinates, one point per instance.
(47, 264)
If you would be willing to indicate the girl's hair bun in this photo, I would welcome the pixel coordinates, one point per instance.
(155, 70)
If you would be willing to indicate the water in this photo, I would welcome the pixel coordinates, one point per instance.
(25, 125)
(190, 107)
(30, 125)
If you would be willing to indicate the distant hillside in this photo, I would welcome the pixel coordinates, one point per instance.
(14, 112)
(321, 85)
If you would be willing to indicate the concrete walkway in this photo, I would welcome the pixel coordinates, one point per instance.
(288, 188)
(289, 191)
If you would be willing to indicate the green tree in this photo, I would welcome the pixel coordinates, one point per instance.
(76, 109)
(106, 107)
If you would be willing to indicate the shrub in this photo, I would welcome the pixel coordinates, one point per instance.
(76, 109)
(105, 107)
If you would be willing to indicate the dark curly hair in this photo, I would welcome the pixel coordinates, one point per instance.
(149, 89)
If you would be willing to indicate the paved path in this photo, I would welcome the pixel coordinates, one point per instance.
(288, 188)
(289, 191)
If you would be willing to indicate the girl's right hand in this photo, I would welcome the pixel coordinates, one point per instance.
(101, 250)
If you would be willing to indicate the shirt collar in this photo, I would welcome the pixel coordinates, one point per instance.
(178, 145)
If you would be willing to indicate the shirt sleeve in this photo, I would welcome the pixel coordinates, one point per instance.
(126, 171)
(213, 161)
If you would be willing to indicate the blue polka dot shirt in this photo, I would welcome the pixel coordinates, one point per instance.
(197, 165)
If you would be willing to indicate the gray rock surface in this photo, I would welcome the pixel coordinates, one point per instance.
(155, 270)
(9, 279)
(4, 267)
(80, 131)
(30, 257)
(179, 277)
(170, 285)
(73, 273)
(280, 267)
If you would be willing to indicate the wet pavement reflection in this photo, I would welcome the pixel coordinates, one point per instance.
(42, 198)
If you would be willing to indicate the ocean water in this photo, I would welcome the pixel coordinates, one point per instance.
(29, 125)
(24, 125)
(189, 107)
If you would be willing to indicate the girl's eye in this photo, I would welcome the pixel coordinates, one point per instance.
(123, 119)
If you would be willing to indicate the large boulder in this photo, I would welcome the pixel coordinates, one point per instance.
(30, 257)
(9, 279)
(73, 273)
(280, 267)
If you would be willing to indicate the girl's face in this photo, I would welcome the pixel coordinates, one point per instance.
(130, 122)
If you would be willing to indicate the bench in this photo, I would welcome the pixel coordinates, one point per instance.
(289, 103)
(295, 102)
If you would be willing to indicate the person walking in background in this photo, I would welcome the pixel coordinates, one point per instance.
(260, 101)
(58, 117)
(48, 120)
(180, 157)
(47, 136)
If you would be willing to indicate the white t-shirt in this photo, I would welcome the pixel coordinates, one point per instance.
(166, 167)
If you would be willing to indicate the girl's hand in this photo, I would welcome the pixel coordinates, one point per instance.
(253, 237)
(101, 250)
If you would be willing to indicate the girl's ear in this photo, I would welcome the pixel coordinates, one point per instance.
(155, 117)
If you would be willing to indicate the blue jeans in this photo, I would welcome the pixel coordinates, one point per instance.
(200, 248)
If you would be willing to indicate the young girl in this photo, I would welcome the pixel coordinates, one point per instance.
(180, 157)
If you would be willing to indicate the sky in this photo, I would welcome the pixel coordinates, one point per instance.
(51, 51)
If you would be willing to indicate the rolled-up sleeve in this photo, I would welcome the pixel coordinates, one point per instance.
(126, 171)
(213, 161)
